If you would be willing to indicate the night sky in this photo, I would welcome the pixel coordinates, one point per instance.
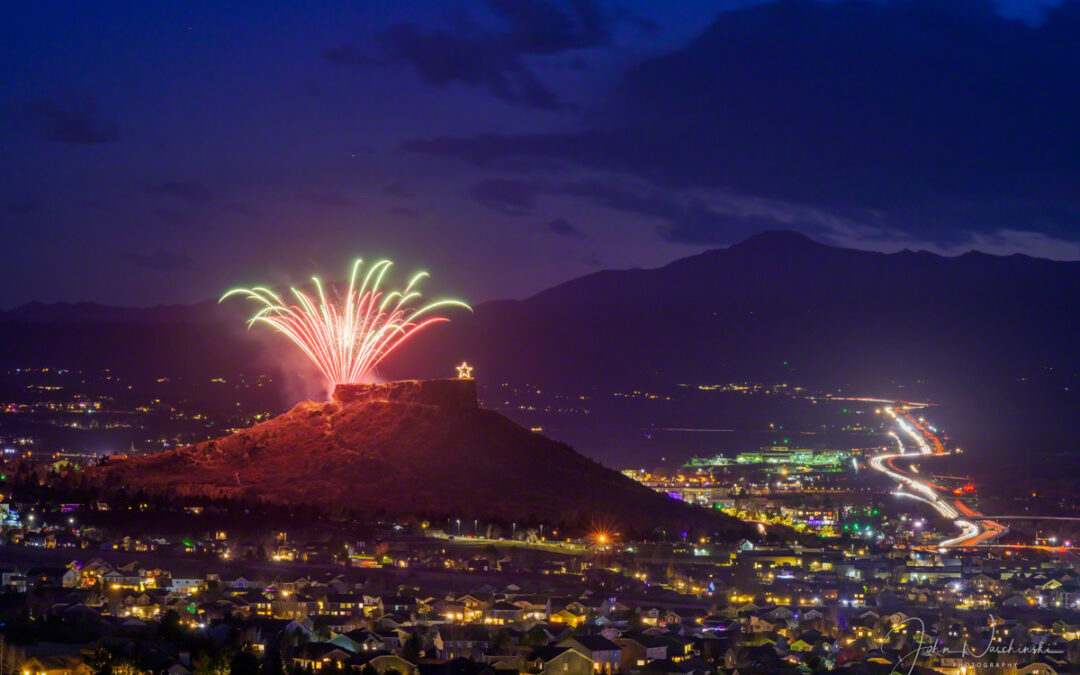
(162, 152)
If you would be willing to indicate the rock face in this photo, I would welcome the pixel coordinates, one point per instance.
(412, 448)
(459, 393)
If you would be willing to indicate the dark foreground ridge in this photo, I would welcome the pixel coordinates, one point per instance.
(417, 447)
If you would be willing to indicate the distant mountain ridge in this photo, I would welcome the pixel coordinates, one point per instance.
(779, 296)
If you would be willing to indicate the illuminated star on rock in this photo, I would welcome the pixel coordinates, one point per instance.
(464, 371)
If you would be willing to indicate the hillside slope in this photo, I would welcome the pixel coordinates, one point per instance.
(409, 448)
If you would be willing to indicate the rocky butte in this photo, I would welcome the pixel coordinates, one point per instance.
(416, 447)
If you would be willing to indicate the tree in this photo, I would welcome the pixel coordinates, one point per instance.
(413, 647)
(272, 663)
(210, 664)
(100, 661)
(124, 667)
(244, 663)
(169, 626)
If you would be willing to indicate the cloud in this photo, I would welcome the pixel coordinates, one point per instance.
(398, 189)
(74, 120)
(699, 217)
(404, 211)
(564, 228)
(645, 25)
(171, 217)
(242, 209)
(938, 118)
(189, 191)
(328, 198)
(494, 56)
(163, 260)
(688, 220)
(442, 57)
(512, 197)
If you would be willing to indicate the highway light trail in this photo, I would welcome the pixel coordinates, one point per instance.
(972, 532)
(899, 443)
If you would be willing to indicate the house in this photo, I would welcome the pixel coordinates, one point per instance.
(71, 578)
(359, 640)
(557, 661)
(568, 617)
(317, 655)
(185, 584)
(679, 647)
(638, 649)
(1016, 601)
(257, 603)
(74, 612)
(47, 576)
(605, 654)
(343, 604)
(65, 664)
(238, 583)
(812, 615)
(383, 663)
(466, 641)
(114, 579)
(780, 612)
(684, 616)
(392, 639)
(502, 612)
(535, 606)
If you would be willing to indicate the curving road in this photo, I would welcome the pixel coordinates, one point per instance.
(973, 529)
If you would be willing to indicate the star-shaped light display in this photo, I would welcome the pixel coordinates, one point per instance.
(464, 371)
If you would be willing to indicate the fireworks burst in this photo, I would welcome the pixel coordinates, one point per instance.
(349, 335)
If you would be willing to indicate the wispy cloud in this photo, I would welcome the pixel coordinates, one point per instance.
(75, 120)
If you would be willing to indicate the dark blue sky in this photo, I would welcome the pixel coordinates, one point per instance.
(158, 152)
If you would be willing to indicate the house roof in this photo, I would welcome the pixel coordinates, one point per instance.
(595, 643)
(547, 653)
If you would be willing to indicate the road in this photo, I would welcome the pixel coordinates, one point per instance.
(974, 529)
